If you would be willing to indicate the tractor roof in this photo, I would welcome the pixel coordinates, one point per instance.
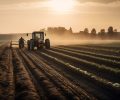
(37, 32)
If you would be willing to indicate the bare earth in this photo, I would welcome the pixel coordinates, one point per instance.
(71, 72)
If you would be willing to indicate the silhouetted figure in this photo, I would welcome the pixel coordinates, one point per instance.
(21, 43)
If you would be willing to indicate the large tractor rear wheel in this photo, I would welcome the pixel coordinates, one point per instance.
(47, 44)
(30, 45)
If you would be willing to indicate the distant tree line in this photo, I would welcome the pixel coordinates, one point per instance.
(59, 30)
(102, 34)
(111, 33)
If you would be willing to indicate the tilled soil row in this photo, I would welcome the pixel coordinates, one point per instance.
(95, 50)
(69, 90)
(108, 63)
(106, 56)
(100, 85)
(6, 76)
(24, 87)
(49, 89)
(100, 70)
(2, 49)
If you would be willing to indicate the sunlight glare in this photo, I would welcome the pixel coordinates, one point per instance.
(62, 5)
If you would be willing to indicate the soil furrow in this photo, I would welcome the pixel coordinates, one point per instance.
(95, 50)
(101, 61)
(96, 86)
(110, 57)
(53, 75)
(100, 70)
(50, 90)
(6, 76)
(24, 87)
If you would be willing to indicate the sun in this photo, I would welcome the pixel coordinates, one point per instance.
(62, 5)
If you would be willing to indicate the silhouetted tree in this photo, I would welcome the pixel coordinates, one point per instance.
(102, 34)
(93, 32)
(61, 29)
(115, 33)
(70, 30)
(50, 30)
(110, 31)
(115, 30)
(57, 30)
(102, 31)
(86, 32)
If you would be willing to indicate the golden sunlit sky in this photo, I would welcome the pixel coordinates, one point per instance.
(29, 15)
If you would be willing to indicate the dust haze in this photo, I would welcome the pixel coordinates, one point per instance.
(70, 40)
(59, 39)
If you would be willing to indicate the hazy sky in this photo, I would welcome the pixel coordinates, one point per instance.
(30, 15)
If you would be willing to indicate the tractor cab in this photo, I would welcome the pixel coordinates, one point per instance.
(38, 41)
(38, 36)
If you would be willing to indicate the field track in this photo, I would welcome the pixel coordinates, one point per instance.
(62, 73)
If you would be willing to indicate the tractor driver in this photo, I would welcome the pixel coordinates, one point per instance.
(21, 42)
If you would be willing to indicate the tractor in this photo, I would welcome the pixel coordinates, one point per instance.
(38, 41)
